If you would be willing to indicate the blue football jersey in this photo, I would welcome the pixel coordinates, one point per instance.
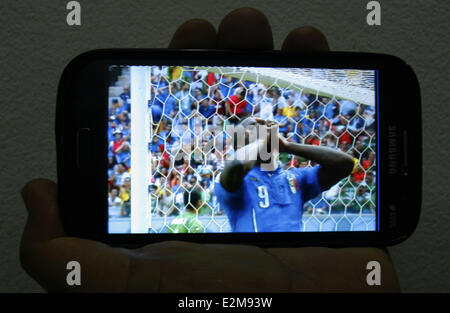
(269, 201)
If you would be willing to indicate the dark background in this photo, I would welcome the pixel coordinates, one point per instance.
(36, 44)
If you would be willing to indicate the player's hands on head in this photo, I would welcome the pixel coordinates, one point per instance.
(188, 267)
(273, 127)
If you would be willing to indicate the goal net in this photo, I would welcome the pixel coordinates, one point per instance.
(186, 112)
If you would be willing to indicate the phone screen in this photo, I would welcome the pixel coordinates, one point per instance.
(172, 132)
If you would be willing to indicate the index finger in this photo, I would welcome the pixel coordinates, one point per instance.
(194, 34)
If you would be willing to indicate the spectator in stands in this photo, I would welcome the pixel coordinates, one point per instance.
(167, 205)
(185, 99)
(125, 195)
(329, 140)
(264, 103)
(123, 119)
(344, 136)
(123, 153)
(218, 100)
(155, 145)
(368, 161)
(348, 108)
(313, 139)
(370, 180)
(356, 124)
(198, 96)
(289, 109)
(207, 109)
(164, 157)
(115, 107)
(371, 185)
(118, 142)
(192, 181)
(343, 146)
(112, 127)
(114, 204)
(226, 86)
(346, 194)
(171, 104)
(156, 110)
(154, 199)
(120, 174)
(323, 127)
(237, 105)
(282, 121)
(278, 100)
(331, 108)
(358, 174)
(361, 202)
(111, 163)
(125, 96)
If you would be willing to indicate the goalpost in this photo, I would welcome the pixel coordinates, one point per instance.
(140, 136)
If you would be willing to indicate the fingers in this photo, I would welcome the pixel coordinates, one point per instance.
(320, 269)
(194, 34)
(192, 267)
(245, 29)
(260, 120)
(101, 268)
(305, 39)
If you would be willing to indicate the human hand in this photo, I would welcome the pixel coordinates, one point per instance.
(272, 128)
(174, 266)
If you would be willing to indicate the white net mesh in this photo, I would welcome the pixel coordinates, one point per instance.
(190, 109)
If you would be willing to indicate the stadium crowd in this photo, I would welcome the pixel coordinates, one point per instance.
(190, 111)
(119, 155)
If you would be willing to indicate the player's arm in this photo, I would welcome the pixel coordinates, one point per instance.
(238, 165)
(335, 164)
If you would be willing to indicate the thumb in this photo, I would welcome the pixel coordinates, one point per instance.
(45, 252)
(41, 200)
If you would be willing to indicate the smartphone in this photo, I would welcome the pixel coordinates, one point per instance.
(146, 147)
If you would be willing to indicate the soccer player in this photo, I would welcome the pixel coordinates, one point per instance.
(187, 222)
(263, 197)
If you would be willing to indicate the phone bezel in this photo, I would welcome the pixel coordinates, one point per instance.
(82, 103)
